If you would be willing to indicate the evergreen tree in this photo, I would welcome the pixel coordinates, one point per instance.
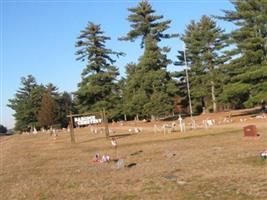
(98, 88)
(39, 106)
(64, 107)
(146, 25)
(246, 73)
(148, 84)
(53, 90)
(204, 42)
(134, 98)
(46, 113)
(26, 103)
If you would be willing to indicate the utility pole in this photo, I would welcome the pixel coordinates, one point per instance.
(188, 88)
(71, 129)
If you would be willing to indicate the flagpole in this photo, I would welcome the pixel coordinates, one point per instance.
(188, 88)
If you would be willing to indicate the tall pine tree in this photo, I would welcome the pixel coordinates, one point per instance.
(247, 72)
(204, 42)
(26, 103)
(98, 88)
(149, 87)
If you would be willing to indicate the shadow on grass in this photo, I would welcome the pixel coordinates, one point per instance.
(122, 135)
(180, 138)
(104, 137)
(91, 140)
(253, 112)
(164, 140)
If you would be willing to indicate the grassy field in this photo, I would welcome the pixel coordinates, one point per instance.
(218, 163)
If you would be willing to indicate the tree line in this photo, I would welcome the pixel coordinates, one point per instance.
(226, 70)
(38, 105)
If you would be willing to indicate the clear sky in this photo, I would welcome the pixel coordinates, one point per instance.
(38, 37)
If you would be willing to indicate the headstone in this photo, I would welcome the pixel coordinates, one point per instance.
(181, 124)
(157, 129)
(250, 131)
(34, 131)
(179, 182)
(137, 130)
(114, 142)
(193, 124)
(171, 177)
(167, 128)
(120, 164)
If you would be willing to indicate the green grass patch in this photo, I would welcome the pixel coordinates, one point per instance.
(256, 161)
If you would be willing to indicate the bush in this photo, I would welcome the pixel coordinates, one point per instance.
(3, 129)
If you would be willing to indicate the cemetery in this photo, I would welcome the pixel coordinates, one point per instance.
(152, 100)
(166, 162)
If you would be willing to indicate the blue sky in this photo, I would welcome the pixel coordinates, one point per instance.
(38, 37)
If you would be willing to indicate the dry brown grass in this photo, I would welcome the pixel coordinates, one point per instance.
(208, 164)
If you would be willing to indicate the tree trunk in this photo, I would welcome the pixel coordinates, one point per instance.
(214, 103)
